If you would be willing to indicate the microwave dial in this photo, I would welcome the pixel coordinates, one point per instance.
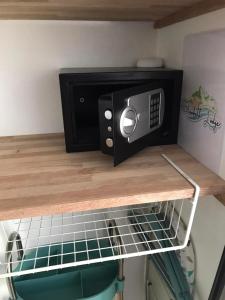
(128, 122)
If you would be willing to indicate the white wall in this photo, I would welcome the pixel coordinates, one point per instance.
(209, 239)
(208, 227)
(170, 39)
(32, 52)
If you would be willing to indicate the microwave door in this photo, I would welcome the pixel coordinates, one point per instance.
(128, 118)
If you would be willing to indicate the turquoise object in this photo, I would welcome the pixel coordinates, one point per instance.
(94, 282)
(167, 263)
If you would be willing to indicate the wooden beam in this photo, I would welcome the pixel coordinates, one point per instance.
(221, 198)
(195, 10)
(57, 11)
(122, 10)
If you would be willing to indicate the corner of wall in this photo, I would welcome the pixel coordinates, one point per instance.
(170, 39)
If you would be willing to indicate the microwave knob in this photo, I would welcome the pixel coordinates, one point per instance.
(108, 114)
(109, 143)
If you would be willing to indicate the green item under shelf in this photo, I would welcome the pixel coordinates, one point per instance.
(94, 282)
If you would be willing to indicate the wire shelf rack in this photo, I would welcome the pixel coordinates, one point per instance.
(59, 241)
(51, 243)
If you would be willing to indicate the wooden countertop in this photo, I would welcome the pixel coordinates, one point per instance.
(37, 177)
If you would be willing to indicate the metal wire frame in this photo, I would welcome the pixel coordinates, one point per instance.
(131, 245)
(14, 237)
(74, 235)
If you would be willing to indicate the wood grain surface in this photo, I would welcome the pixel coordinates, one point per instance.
(200, 8)
(126, 10)
(37, 177)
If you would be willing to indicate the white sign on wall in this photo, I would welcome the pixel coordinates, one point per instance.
(202, 117)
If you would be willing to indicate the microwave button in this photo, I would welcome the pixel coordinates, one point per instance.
(108, 114)
(109, 128)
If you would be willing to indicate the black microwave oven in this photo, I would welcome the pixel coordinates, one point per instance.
(120, 110)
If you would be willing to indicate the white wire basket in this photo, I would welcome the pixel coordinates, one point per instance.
(67, 240)
(54, 242)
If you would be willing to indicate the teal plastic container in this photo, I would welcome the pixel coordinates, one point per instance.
(94, 282)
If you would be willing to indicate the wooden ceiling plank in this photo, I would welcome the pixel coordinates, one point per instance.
(127, 10)
(15, 6)
(81, 15)
(124, 3)
(88, 4)
(195, 10)
(163, 12)
(30, 12)
(104, 3)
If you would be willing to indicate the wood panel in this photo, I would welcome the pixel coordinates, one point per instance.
(221, 198)
(198, 9)
(141, 10)
(37, 177)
